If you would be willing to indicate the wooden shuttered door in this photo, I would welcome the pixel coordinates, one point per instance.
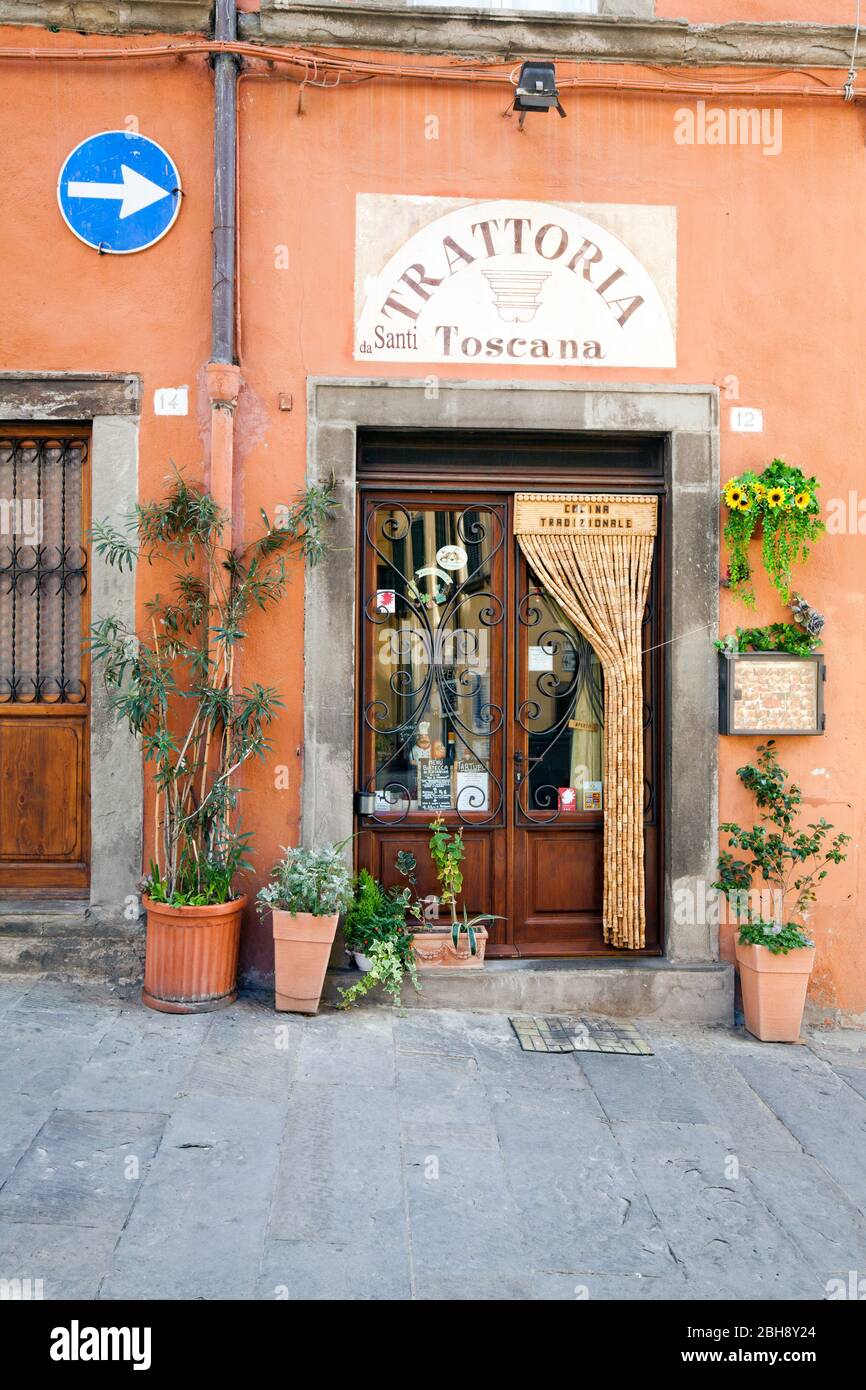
(44, 669)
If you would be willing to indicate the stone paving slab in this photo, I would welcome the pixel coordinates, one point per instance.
(340, 1163)
(855, 1077)
(70, 1260)
(646, 1088)
(12, 990)
(822, 1111)
(351, 1268)
(734, 1106)
(348, 1055)
(83, 1168)
(250, 1054)
(139, 1064)
(464, 1220)
(375, 1155)
(198, 1229)
(43, 1051)
(728, 1244)
(823, 1223)
(580, 1205)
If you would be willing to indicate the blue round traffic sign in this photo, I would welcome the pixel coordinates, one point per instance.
(119, 192)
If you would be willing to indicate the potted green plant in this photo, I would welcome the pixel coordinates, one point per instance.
(307, 892)
(781, 503)
(174, 684)
(775, 954)
(460, 941)
(377, 934)
(784, 638)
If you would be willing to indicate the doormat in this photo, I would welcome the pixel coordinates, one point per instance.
(578, 1033)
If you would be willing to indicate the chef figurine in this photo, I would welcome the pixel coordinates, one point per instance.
(421, 747)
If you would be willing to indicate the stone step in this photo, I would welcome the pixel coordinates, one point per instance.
(69, 958)
(44, 919)
(683, 993)
(68, 941)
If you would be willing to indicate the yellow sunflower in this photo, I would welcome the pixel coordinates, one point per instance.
(735, 496)
(775, 496)
(759, 490)
(743, 505)
(803, 500)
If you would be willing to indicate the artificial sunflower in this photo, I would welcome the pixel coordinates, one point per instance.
(782, 506)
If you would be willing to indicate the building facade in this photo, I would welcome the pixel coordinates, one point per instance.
(451, 317)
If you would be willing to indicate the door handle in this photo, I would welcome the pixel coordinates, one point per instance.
(521, 763)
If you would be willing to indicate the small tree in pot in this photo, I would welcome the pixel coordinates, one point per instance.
(307, 892)
(174, 684)
(774, 953)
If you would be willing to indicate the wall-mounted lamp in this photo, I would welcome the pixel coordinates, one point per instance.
(536, 90)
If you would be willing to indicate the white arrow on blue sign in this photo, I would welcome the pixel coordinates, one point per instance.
(119, 192)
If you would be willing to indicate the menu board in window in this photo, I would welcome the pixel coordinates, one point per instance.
(434, 785)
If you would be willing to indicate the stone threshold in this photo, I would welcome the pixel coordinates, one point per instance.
(69, 940)
(644, 988)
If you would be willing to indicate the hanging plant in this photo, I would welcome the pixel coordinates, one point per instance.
(783, 502)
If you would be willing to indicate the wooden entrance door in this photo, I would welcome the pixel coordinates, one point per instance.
(44, 673)
(478, 698)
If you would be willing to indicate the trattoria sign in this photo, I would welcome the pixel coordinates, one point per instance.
(518, 283)
(561, 513)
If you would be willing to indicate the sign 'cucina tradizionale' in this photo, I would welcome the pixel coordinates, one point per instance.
(517, 283)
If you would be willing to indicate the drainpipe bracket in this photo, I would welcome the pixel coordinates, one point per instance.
(223, 384)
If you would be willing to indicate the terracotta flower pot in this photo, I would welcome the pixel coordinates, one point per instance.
(191, 958)
(302, 948)
(774, 990)
(435, 948)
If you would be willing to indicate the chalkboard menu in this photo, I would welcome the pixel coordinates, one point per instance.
(434, 784)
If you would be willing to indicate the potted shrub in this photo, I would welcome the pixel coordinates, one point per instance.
(360, 919)
(457, 942)
(774, 953)
(376, 932)
(174, 684)
(307, 892)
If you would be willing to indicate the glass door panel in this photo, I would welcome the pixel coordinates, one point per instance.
(560, 714)
(433, 618)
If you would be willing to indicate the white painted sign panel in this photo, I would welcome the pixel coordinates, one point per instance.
(171, 400)
(745, 419)
(514, 282)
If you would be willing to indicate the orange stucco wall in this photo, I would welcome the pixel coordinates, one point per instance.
(758, 11)
(770, 292)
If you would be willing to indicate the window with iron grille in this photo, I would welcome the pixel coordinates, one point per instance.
(43, 567)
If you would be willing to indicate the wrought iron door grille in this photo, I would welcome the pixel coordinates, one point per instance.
(433, 624)
(43, 569)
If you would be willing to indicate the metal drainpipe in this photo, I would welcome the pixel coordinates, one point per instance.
(224, 138)
(223, 375)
